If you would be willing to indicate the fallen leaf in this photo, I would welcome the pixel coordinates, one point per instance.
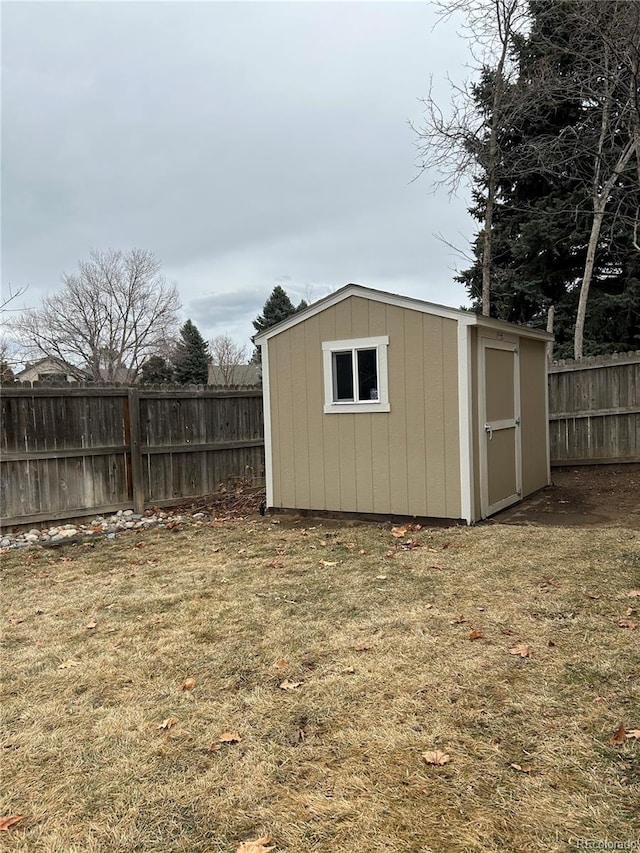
(280, 664)
(91, 625)
(363, 647)
(633, 593)
(6, 822)
(68, 664)
(390, 555)
(398, 532)
(633, 733)
(348, 671)
(631, 611)
(592, 595)
(410, 544)
(627, 623)
(428, 606)
(168, 723)
(289, 685)
(437, 756)
(458, 620)
(275, 564)
(508, 632)
(229, 737)
(257, 846)
(619, 735)
(476, 635)
(521, 650)
(326, 563)
(189, 684)
(523, 768)
(381, 577)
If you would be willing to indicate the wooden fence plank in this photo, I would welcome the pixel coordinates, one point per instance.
(594, 410)
(73, 450)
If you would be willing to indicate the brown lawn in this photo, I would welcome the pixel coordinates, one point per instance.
(372, 641)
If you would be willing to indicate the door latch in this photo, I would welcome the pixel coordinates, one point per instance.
(489, 430)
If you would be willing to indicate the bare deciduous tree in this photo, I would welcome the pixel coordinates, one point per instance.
(600, 150)
(465, 142)
(230, 361)
(111, 315)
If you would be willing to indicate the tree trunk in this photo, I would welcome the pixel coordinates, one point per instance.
(551, 314)
(599, 205)
(596, 225)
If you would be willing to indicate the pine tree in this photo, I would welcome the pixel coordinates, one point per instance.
(277, 307)
(191, 360)
(543, 215)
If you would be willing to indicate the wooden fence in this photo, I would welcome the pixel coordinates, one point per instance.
(594, 410)
(80, 450)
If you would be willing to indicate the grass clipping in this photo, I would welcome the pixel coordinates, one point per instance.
(327, 688)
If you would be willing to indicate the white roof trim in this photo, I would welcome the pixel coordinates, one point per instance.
(466, 317)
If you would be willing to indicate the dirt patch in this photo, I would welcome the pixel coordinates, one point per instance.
(585, 495)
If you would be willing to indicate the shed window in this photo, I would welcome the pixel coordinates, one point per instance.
(355, 375)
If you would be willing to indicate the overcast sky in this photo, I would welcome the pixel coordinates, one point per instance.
(245, 144)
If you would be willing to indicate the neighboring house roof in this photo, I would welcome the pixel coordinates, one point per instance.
(468, 318)
(241, 374)
(47, 365)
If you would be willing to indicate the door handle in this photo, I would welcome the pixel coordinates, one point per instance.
(489, 429)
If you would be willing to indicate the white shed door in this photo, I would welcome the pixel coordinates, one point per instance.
(500, 459)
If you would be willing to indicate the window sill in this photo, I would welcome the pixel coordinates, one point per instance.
(351, 408)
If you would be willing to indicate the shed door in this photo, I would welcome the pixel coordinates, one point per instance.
(500, 460)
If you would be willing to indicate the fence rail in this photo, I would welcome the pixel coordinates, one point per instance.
(594, 410)
(79, 450)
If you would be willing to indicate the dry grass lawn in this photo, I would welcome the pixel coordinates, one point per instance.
(373, 642)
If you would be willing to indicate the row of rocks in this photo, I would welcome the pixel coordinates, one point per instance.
(99, 526)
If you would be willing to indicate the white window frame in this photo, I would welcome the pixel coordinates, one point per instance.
(380, 345)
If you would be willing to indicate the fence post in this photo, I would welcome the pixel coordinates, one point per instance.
(133, 424)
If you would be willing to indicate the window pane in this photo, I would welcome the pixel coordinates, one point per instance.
(342, 376)
(367, 375)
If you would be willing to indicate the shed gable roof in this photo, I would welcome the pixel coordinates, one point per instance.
(468, 318)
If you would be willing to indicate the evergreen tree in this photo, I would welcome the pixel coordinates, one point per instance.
(277, 307)
(191, 360)
(544, 208)
(156, 371)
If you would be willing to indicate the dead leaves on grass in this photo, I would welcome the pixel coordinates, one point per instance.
(476, 635)
(621, 735)
(627, 623)
(7, 822)
(224, 739)
(229, 737)
(257, 846)
(521, 650)
(68, 664)
(522, 768)
(437, 757)
(287, 684)
(169, 723)
(189, 684)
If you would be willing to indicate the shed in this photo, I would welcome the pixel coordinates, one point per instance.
(380, 404)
